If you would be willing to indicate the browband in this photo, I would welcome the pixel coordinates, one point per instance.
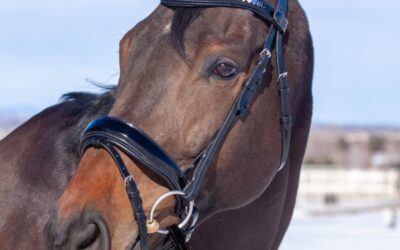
(260, 7)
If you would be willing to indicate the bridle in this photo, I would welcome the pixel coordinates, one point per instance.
(111, 133)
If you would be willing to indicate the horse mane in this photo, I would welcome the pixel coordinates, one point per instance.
(181, 20)
(87, 107)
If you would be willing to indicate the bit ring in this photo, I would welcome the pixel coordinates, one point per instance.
(163, 197)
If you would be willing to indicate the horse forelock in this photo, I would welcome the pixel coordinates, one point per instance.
(181, 20)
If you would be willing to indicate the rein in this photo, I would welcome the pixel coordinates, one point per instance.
(111, 133)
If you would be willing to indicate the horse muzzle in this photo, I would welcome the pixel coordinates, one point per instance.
(87, 231)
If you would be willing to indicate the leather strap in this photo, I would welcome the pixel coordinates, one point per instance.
(177, 238)
(131, 190)
(283, 88)
(259, 7)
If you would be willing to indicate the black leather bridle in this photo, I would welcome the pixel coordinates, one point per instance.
(111, 133)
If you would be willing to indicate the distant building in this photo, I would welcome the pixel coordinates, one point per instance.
(354, 147)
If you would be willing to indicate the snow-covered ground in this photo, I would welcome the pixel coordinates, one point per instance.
(343, 232)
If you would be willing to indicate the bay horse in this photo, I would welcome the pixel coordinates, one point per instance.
(181, 69)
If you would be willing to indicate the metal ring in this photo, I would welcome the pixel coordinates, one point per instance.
(163, 197)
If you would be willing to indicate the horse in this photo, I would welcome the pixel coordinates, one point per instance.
(181, 70)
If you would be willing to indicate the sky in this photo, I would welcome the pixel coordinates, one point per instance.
(49, 47)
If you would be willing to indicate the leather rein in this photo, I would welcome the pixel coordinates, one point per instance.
(111, 133)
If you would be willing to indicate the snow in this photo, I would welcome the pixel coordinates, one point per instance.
(343, 232)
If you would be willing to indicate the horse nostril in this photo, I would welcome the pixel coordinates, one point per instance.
(89, 232)
(86, 237)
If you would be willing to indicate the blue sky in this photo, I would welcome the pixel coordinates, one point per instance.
(50, 47)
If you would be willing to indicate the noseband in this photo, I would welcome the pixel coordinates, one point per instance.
(111, 134)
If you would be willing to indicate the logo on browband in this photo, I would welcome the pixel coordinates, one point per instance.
(255, 2)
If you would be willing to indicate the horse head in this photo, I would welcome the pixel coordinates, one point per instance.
(181, 71)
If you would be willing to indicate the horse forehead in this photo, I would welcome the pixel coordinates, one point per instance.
(229, 23)
(221, 22)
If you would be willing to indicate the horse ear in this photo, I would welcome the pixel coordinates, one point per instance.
(125, 46)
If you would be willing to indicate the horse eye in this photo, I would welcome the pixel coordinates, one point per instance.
(225, 70)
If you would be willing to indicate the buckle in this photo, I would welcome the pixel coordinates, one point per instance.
(266, 52)
(282, 76)
(287, 119)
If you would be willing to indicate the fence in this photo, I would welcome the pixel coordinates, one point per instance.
(325, 185)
